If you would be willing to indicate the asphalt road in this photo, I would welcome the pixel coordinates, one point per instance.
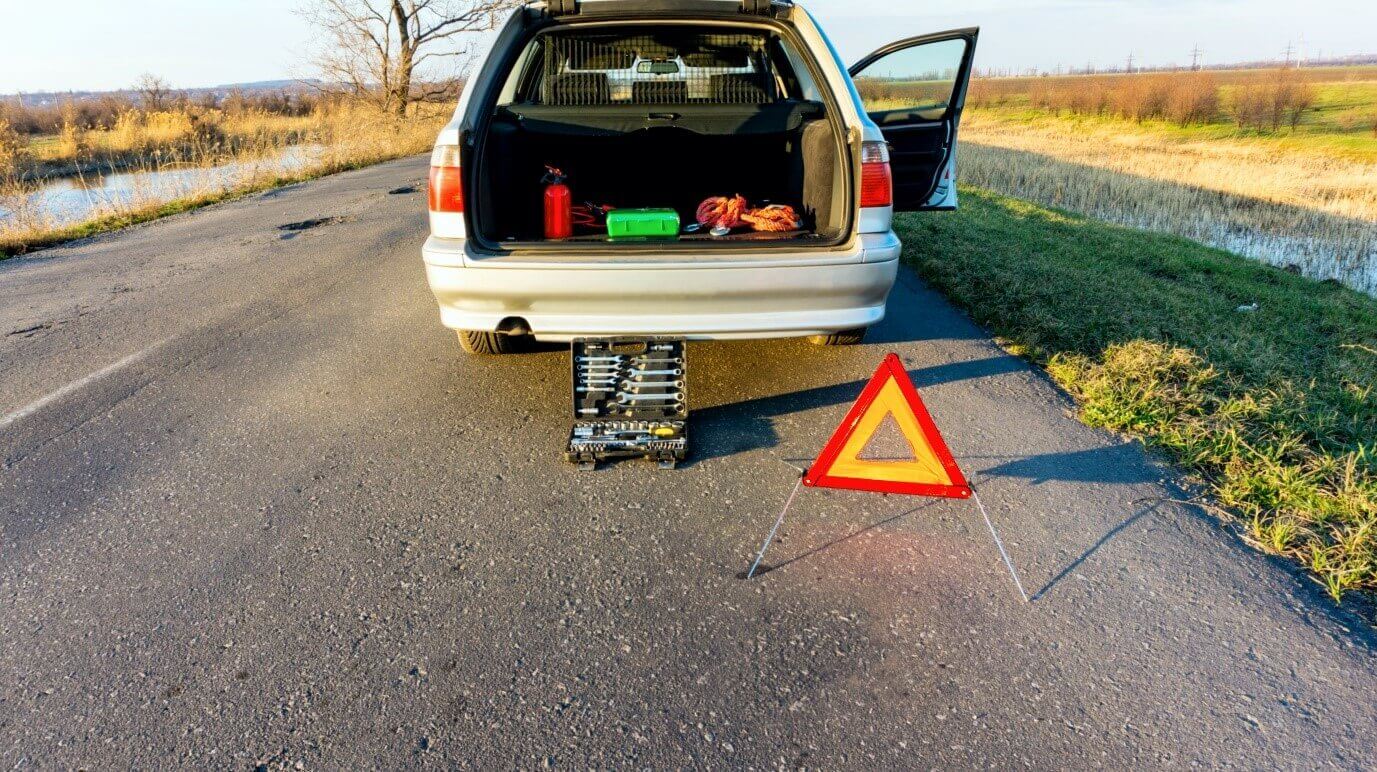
(258, 509)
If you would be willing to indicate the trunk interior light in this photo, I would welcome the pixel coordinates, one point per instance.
(877, 179)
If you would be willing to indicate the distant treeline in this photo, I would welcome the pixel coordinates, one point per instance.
(1327, 63)
(103, 111)
(1263, 100)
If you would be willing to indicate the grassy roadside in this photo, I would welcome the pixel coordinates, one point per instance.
(1274, 410)
(348, 137)
(1313, 137)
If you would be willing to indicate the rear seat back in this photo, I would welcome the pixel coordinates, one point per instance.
(579, 88)
(660, 92)
(739, 89)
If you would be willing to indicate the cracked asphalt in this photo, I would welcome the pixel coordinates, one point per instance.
(256, 509)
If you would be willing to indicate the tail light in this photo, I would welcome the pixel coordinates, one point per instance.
(877, 180)
(446, 180)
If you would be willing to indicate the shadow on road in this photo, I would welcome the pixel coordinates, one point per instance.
(741, 427)
(1103, 540)
(766, 568)
(1115, 465)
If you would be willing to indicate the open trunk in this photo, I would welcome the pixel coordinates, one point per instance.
(665, 120)
(783, 157)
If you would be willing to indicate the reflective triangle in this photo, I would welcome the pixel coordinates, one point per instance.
(931, 471)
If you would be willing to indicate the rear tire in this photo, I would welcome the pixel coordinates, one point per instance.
(487, 343)
(844, 338)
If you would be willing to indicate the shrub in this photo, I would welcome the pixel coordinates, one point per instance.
(1184, 98)
(1193, 98)
(1142, 97)
(13, 148)
(73, 142)
(1282, 98)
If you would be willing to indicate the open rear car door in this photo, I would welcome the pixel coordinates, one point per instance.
(915, 91)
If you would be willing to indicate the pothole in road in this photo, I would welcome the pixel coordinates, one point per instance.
(402, 191)
(306, 225)
(291, 229)
(32, 330)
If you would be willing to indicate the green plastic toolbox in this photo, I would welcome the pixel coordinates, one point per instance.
(643, 224)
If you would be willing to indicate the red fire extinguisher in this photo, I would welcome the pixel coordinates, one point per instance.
(559, 205)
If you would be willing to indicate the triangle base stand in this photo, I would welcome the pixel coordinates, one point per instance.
(975, 494)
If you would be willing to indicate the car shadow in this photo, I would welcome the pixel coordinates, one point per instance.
(742, 427)
(1120, 464)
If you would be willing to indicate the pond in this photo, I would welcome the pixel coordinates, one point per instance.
(71, 200)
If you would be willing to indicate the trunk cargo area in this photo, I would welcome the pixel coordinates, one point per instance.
(784, 157)
(660, 118)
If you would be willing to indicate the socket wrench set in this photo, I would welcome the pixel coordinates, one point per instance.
(630, 401)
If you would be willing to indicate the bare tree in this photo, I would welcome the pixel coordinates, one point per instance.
(155, 91)
(378, 49)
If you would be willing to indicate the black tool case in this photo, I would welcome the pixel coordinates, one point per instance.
(630, 401)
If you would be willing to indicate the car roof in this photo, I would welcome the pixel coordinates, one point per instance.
(654, 7)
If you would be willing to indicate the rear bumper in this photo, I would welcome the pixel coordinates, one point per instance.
(699, 302)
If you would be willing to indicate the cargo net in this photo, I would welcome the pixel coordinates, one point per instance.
(680, 68)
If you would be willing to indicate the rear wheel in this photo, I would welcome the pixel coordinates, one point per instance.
(844, 338)
(473, 342)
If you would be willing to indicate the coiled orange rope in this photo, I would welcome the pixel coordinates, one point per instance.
(778, 218)
(734, 212)
(722, 212)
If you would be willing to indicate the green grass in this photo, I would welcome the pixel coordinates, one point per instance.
(1273, 410)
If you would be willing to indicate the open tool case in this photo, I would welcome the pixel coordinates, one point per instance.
(630, 401)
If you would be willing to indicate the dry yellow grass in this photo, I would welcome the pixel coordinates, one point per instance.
(1313, 180)
(1314, 209)
(207, 169)
(191, 134)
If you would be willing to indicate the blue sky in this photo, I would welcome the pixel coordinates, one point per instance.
(101, 44)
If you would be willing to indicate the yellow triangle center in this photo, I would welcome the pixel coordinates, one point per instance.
(924, 469)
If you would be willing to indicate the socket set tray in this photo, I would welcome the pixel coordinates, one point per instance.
(630, 401)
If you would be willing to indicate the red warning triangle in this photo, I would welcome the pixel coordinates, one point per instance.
(931, 472)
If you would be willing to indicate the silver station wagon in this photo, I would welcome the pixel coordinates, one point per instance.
(703, 169)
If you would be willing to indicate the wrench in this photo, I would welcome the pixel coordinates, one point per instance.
(638, 387)
(633, 373)
(626, 399)
(614, 358)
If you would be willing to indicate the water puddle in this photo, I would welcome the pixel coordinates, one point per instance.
(72, 200)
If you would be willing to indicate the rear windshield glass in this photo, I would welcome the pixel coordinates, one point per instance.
(654, 66)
